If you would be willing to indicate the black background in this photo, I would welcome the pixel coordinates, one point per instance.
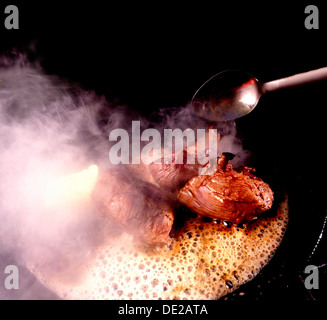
(155, 55)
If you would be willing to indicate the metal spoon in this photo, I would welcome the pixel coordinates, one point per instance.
(232, 94)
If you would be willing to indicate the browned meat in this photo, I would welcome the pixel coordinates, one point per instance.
(137, 206)
(173, 176)
(229, 194)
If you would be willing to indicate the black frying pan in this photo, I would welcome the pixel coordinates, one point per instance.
(158, 60)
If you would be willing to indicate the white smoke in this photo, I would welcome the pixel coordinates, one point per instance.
(48, 129)
(182, 118)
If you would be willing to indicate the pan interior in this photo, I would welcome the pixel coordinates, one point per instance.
(206, 260)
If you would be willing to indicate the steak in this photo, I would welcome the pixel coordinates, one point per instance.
(137, 206)
(172, 175)
(228, 194)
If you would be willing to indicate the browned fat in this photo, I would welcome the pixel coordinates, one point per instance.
(205, 261)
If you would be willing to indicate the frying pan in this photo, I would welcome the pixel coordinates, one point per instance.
(305, 240)
(282, 147)
(149, 73)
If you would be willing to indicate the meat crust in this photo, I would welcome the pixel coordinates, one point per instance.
(174, 175)
(234, 195)
(137, 206)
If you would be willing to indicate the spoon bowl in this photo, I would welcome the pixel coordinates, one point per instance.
(232, 94)
(228, 95)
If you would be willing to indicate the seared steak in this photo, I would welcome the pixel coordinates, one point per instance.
(234, 195)
(173, 175)
(139, 207)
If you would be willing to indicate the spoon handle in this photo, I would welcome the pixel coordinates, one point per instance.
(298, 79)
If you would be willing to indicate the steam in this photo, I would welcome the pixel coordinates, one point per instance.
(183, 119)
(50, 129)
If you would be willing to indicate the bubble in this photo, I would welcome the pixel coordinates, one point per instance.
(222, 260)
